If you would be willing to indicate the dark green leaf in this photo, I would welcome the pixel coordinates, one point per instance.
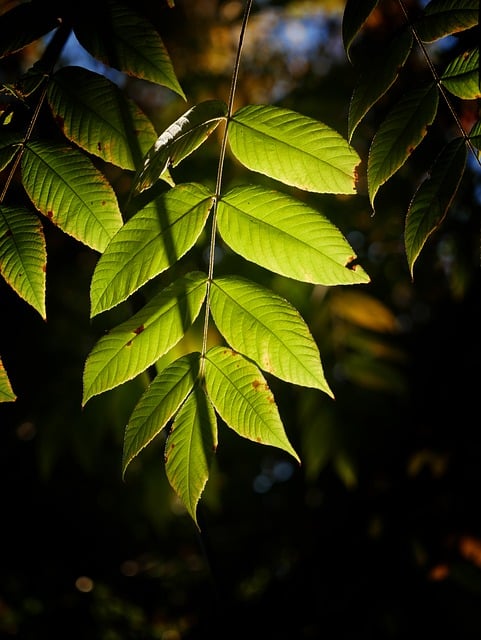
(445, 17)
(356, 12)
(22, 25)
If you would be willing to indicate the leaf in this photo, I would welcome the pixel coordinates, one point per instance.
(433, 198)
(22, 25)
(178, 141)
(134, 46)
(445, 17)
(377, 77)
(137, 343)
(23, 255)
(10, 144)
(293, 148)
(149, 243)
(6, 392)
(475, 135)
(94, 113)
(462, 76)
(242, 398)
(267, 329)
(356, 13)
(158, 404)
(190, 449)
(65, 186)
(399, 134)
(287, 236)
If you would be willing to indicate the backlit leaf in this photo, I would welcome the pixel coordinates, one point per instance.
(6, 392)
(65, 186)
(267, 329)
(433, 198)
(243, 399)
(399, 134)
(158, 404)
(462, 77)
(23, 255)
(24, 24)
(445, 17)
(475, 135)
(190, 449)
(149, 243)
(293, 149)
(286, 236)
(356, 12)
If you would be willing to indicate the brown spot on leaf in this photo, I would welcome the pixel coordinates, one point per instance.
(351, 263)
(99, 146)
(129, 343)
(44, 268)
(259, 440)
(139, 329)
(50, 215)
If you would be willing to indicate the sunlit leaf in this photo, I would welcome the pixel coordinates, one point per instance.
(444, 17)
(462, 76)
(190, 449)
(24, 24)
(399, 134)
(178, 141)
(158, 404)
(286, 236)
(243, 399)
(23, 255)
(65, 186)
(356, 12)
(377, 77)
(267, 329)
(6, 392)
(94, 113)
(133, 46)
(150, 242)
(293, 149)
(433, 198)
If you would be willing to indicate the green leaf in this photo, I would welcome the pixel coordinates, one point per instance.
(399, 134)
(9, 147)
(377, 77)
(445, 17)
(178, 141)
(190, 449)
(433, 198)
(356, 12)
(462, 76)
(22, 25)
(23, 255)
(293, 149)
(243, 399)
(158, 404)
(137, 343)
(94, 113)
(267, 329)
(65, 186)
(287, 236)
(149, 243)
(134, 46)
(475, 135)
(6, 392)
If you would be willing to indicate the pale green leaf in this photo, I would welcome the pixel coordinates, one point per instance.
(6, 392)
(377, 76)
(286, 236)
(399, 134)
(133, 45)
(445, 17)
(23, 255)
(178, 141)
(356, 12)
(149, 243)
(158, 404)
(267, 329)
(243, 399)
(462, 76)
(137, 343)
(65, 186)
(190, 449)
(433, 198)
(96, 115)
(293, 149)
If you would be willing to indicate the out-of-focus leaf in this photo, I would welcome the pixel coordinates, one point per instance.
(431, 201)
(94, 113)
(462, 76)
(293, 149)
(190, 449)
(150, 242)
(22, 25)
(137, 343)
(356, 12)
(445, 17)
(6, 392)
(178, 141)
(267, 329)
(23, 255)
(399, 134)
(65, 186)
(362, 310)
(286, 236)
(242, 398)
